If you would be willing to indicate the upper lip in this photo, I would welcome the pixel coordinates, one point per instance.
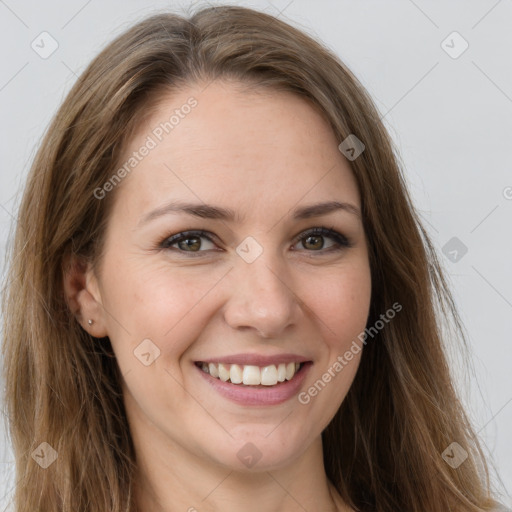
(256, 359)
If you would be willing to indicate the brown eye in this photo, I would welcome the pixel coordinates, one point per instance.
(314, 242)
(190, 242)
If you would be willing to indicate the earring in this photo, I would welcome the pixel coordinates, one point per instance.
(90, 322)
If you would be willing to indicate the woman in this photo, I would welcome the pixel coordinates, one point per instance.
(220, 295)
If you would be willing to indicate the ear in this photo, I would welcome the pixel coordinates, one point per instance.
(83, 296)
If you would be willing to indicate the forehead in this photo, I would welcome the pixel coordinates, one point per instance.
(219, 143)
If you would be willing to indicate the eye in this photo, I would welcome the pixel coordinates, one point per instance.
(189, 241)
(313, 240)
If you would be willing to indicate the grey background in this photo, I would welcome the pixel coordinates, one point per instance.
(451, 118)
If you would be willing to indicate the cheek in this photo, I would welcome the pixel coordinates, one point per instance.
(341, 302)
(340, 311)
(166, 305)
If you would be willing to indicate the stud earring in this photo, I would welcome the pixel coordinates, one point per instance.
(90, 322)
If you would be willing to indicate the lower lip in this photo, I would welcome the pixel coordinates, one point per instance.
(255, 395)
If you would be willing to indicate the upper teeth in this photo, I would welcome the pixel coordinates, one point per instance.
(251, 375)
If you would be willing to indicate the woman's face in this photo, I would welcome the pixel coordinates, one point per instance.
(250, 287)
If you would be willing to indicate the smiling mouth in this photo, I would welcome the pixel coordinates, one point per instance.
(251, 375)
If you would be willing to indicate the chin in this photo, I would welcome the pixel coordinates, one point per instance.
(259, 449)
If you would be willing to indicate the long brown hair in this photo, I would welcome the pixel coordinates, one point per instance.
(383, 449)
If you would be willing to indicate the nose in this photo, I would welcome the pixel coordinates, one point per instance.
(261, 300)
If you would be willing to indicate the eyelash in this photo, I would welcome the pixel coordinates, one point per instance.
(341, 241)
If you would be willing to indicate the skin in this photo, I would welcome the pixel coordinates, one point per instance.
(261, 154)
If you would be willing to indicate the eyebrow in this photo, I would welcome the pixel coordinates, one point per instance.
(207, 211)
